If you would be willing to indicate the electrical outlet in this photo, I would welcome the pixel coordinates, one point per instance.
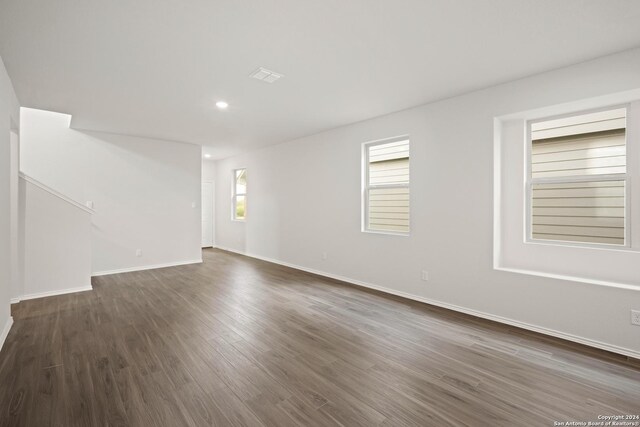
(324, 256)
(138, 252)
(425, 275)
(635, 317)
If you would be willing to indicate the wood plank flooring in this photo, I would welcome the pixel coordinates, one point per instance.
(241, 342)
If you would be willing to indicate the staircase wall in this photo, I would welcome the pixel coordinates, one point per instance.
(145, 192)
(55, 240)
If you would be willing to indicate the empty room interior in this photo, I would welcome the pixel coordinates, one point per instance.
(320, 213)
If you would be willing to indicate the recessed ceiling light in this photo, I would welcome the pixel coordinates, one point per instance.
(208, 156)
(222, 105)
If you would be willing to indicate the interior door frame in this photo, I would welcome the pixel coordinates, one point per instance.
(213, 212)
(15, 263)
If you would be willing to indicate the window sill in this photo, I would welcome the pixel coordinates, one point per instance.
(389, 233)
(582, 245)
(570, 278)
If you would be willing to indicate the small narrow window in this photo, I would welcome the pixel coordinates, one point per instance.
(578, 179)
(386, 186)
(239, 194)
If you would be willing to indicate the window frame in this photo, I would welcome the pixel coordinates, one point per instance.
(366, 187)
(235, 194)
(529, 183)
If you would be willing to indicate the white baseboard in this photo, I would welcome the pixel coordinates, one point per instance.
(546, 331)
(146, 267)
(51, 293)
(5, 331)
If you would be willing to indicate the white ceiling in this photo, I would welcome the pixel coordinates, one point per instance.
(156, 67)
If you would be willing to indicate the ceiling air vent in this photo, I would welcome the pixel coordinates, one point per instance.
(265, 75)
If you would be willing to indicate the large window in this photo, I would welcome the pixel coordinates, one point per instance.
(386, 186)
(239, 202)
(566, 187)
(578, 179)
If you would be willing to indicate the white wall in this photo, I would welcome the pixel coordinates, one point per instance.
(146, 193)
(56, 244)
(208, 170)
(304, 199)
(9, 118)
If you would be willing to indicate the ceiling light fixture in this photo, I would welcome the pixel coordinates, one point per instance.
(222, 105)
(265, 75)
(207, 156)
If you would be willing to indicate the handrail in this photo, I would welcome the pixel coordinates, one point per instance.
(53, 192)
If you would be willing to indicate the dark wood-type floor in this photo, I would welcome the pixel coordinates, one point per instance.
(236, 342)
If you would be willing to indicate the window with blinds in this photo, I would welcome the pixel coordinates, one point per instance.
(578, 178)
(386, 189)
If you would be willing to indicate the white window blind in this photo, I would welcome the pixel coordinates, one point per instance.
(578, 178)
(387, 186)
